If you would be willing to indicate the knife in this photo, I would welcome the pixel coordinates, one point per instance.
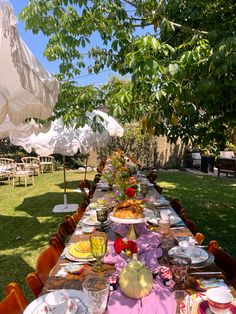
(207, 273)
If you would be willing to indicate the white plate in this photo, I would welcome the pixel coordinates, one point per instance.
(198, 255)
(174, 220)
(148, 214)
(91, 222)
(31, 308)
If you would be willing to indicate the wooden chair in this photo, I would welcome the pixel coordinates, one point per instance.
(175, 204)
(21, 170)
(199, 237)
(45, 263)
(6, 165)
(191, 226)
(33, 163)
(46, 163)
(101, 166)
(183, 214)
(224, 261)
(15, 301)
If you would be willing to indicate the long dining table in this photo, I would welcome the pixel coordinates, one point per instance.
(71, 281)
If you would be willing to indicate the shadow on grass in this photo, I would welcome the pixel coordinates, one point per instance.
(72, 184)
(42, 205)
(9, 271)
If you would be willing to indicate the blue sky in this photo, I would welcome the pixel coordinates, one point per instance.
(37, 44)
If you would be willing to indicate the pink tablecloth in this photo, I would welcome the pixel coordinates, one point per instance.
(159, 301)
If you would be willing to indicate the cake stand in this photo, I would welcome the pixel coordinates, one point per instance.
(131, 234)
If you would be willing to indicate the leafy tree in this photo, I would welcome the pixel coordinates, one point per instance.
(182, 69)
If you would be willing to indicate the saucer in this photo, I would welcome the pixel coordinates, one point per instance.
(71, 308)
(203, 308)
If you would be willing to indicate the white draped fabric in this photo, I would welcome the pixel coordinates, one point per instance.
(67, 141)
(26, 88)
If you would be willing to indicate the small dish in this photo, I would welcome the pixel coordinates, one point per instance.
(198, 254)
(75, 269)
(71, 308)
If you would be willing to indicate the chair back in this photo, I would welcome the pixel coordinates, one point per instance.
(45, 262)
(175, 204)
(6, 161)
(158, 188)
(227, 154)
(50, 159)
(191, 226)
(15, 301)
(224, 261)
(30, 160)
(199, 237)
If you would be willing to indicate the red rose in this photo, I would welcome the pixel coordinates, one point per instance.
(132, 246)
(118, 245)
(130, 192)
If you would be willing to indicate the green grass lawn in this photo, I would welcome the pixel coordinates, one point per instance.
(26, 218)
(26, 222)
(210, 201)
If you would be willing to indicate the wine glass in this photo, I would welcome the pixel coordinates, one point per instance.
(98, 244)
(102, 214)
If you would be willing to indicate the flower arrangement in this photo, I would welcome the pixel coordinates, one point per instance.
(128, 247)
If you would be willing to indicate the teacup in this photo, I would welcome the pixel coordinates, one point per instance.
(219, 300)
(187, 246)
(57, 302)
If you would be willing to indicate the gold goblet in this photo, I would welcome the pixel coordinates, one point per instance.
(98, 244)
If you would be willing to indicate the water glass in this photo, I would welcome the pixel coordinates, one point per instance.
(181, 298)
(164, 225)
(96, 291)
(102, 214)
(179, 267)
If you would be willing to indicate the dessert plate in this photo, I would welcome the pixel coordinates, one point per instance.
(174, 220)
(77, 259)
(198, 255)
(39, 306)
(92, 222)
(148, 214)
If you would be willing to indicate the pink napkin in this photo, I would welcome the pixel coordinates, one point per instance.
(159, 301)
(122, 229)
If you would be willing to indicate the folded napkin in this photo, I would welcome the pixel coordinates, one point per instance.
(159, 301)
(122, 229)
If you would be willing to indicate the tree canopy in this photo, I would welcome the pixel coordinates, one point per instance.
(179, 55)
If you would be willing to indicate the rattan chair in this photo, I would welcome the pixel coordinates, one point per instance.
(22, 171)
(46, 163)
(32, 163)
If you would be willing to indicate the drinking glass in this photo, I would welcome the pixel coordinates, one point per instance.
(98, 244)
(102, 214)
(143, 189)
(181, 298)
(96, 291)
(179, 266)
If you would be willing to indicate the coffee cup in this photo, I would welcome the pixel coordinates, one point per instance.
(57, 302)
(219, 300)
(187, 246)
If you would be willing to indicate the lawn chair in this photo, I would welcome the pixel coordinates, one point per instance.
(15, 301)
(6, 168)
(45, 263)
(46, 163)
(33, 163)
(22, 170)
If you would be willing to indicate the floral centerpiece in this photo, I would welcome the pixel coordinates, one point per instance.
(128, 247)
(118, 173)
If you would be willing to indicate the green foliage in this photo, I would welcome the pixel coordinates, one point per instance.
(182, 71)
